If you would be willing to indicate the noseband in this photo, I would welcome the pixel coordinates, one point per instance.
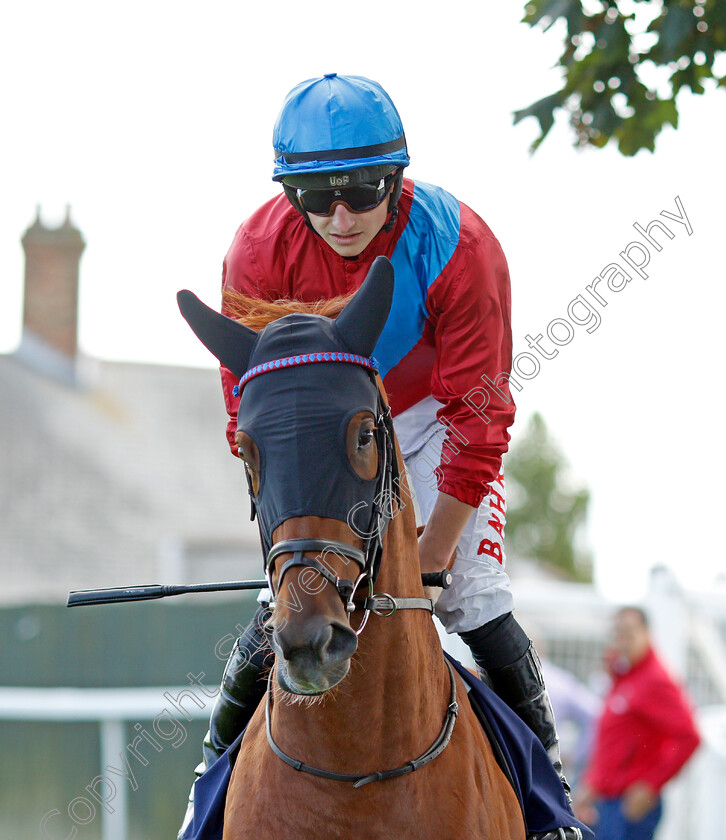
(381, 604)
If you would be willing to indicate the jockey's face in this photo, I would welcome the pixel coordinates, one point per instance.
(348, 233)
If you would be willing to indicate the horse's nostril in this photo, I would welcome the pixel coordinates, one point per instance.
(288, 644)
(342, 642)
(328, 643)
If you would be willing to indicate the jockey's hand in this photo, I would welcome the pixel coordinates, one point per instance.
(443, 531)
(638, 800)
(433, 592)
(437, 546)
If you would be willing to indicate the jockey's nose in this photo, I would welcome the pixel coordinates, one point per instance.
(343, 219)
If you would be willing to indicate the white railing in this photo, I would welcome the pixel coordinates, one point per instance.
(113, 709)
(695, 804)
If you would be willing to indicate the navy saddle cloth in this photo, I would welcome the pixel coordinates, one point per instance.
(520, 754)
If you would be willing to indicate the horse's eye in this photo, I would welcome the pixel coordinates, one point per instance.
(359, 438)
(244, 457)
(365, 437)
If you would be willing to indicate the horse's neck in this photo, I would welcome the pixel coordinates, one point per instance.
(391, 705)
(406, 644)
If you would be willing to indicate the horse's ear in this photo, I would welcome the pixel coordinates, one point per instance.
(361, 322)
(228, 340)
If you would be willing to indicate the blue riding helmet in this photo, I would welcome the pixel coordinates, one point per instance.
(336, 124)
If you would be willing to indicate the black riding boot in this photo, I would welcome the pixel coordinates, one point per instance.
(243, 686)
(502, 649)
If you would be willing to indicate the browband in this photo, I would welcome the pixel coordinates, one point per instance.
(304, 359)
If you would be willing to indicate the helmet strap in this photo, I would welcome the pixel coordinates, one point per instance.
(397, 190)
(393, 200)
(291, 193)
(388, 227)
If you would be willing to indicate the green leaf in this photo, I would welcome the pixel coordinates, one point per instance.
(604, 119)
(550, 9)
(691, 77)
(542, 111)
(639, 131)
(659, 112)
(613, 39)
(674, 26)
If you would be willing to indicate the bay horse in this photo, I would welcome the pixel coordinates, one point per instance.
(366, 731)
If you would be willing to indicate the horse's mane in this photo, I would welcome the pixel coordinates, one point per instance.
(256, 313)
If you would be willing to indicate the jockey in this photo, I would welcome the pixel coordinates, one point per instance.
(444, 355)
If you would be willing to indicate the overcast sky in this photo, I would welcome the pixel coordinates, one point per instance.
(154, 122)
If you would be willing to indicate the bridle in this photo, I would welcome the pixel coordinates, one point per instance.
(387, 493)
(367, 560)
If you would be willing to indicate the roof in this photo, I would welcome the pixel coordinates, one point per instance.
(126, 481)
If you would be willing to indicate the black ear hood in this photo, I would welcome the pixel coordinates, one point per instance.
(231, 342)
(238, 348)
(362, 321)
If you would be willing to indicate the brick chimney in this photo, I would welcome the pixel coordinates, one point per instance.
(50, 313)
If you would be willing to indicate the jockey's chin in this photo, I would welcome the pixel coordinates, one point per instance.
(306, 680)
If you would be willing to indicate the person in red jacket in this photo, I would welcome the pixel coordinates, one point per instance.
(645, 735)
(444, 356)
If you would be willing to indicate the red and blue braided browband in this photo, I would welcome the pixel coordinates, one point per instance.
(304, 359)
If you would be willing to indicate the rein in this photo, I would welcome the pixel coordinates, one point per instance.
(360, 779)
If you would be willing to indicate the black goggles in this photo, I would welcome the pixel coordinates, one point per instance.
(358, 198)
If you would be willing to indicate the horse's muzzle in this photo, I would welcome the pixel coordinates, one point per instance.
(314, 655)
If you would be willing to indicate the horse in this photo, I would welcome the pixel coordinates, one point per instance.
(366, 730)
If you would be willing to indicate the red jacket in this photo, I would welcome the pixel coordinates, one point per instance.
(449, 323)
(646, 732)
